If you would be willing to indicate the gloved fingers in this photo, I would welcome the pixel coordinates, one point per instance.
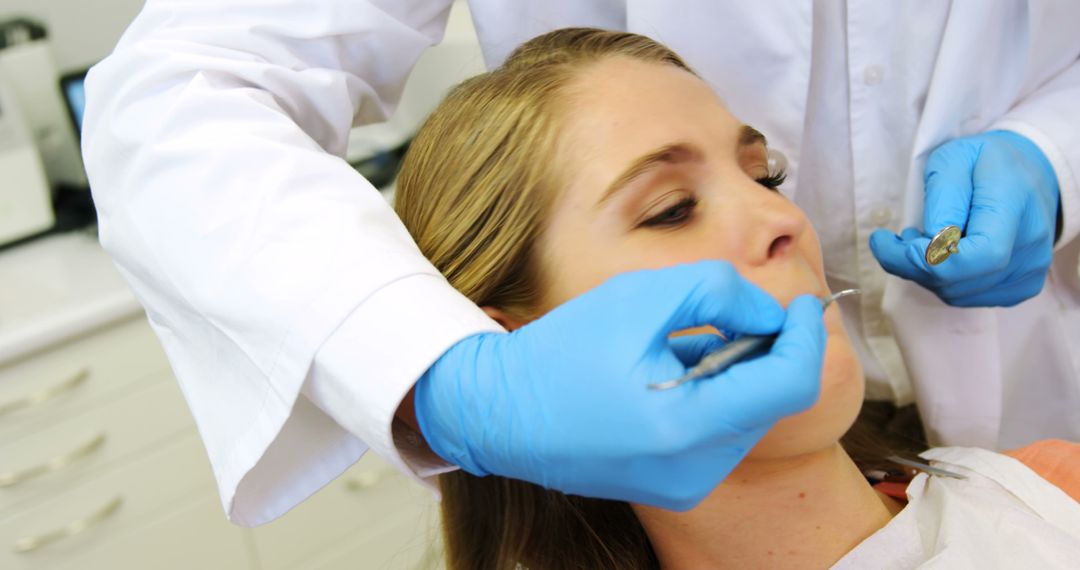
(785, 381)
(978, 256)
(996, 212)
(962, 280)
(713, 293)
(690, 349)
(909, 233)
(1007, 295)
(1026, 262)
(954, 293)
(642, 308)
(948, 182)
(953, 270)
(902, 257)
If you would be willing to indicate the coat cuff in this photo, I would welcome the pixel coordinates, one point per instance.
(368, 365)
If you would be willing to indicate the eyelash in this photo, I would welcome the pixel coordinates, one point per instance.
(674, 215)
(665, 219)
(773, 180)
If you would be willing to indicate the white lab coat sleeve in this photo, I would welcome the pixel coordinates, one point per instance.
(331, 388)
(1050, 117)
(213, 138)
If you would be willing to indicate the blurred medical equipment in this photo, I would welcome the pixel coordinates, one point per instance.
(44, 187)
(736, 351)
(26, 59)
(71, 85)
(25, 206)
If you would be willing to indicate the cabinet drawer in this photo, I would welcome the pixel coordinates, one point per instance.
(407, 545)
(361, 505)
(197, 536)
(106, 508)
(61, 456)
(45, 387)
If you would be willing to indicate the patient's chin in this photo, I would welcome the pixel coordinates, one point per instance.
(821, 426)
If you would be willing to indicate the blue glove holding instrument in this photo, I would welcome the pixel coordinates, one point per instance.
(562, 401)
(1001, 190)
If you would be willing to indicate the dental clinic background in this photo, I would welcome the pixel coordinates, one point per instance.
(127, 442)
(101, 466)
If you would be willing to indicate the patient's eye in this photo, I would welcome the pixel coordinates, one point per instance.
(674, 215)
(773, 180)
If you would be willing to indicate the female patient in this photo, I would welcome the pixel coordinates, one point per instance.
(590, 153)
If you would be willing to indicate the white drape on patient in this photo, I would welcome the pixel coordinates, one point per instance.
(1004, 515)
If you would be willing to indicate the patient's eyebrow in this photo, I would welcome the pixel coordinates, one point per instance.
(749, 136)
(674, 153)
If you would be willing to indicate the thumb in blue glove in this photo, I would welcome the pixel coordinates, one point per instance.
(690, 349)
(1001, 190)
(562, 401)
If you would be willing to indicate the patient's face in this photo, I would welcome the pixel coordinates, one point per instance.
(699, 200)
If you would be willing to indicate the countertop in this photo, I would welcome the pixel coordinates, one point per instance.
(57, 288)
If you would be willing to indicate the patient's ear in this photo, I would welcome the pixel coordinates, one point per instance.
(508, 321)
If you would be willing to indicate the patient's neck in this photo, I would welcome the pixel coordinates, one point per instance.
(801, 512)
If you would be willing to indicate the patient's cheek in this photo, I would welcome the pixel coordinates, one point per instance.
(829, 418)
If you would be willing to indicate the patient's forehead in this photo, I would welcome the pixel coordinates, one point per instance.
(619, 108)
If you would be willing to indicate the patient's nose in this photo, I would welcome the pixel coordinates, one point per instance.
(776, 225)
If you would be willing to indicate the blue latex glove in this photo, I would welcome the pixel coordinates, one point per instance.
(691, 349)
(562, 402)
(1000, 189)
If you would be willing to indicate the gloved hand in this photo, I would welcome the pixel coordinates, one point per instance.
(562, 402)
(1000, 189)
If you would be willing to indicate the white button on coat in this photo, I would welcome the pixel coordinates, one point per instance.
(873, 74)
(881, 215)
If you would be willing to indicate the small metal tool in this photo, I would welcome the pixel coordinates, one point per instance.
(924, 467)
(736, 351)
(943, 245)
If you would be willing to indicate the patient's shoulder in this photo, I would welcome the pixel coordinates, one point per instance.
(1056, 460)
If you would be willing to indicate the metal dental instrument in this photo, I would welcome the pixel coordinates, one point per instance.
(924, 467)
(737, 350)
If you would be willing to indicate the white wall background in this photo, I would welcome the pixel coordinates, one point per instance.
(81, 31)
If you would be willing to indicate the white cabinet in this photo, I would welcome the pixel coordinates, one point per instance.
(90, 468)
(110, 519)
(101, 466)
(47, 386)
(62, 453)
(370, 517)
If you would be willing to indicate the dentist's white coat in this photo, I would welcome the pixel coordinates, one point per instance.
(297, 312)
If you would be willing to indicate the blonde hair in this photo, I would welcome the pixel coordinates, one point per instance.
(482, 172)
(474, 190)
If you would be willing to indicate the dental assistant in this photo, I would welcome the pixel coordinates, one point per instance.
(298, 314)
